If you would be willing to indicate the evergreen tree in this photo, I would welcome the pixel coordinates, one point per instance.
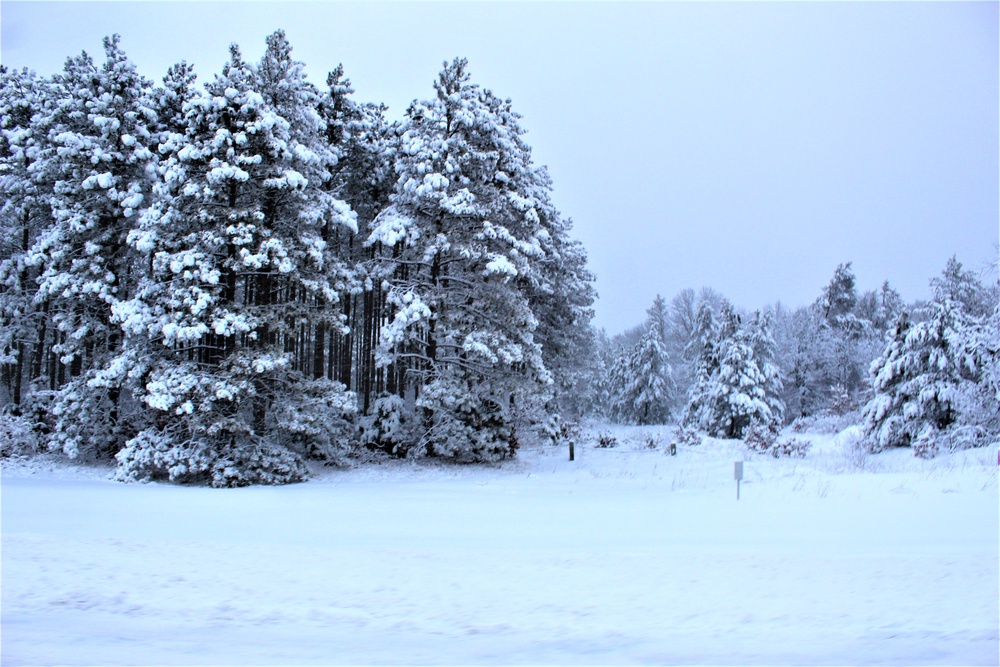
(467, 234)
(659, 314)
(840, 296)
(760, 333)
(364, 143)
(738, 383)
(704, 349)
(561, 296)
(95, 161)
(644, 382)
(238, 265)
(24, 216)
(738, 397)
(931, 385)
(170, 99)
(963, 287)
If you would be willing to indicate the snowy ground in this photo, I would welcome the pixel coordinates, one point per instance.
(625, 556)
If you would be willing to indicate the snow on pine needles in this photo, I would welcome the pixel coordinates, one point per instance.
(627, 555)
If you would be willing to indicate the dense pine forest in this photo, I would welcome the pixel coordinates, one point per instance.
(216, 283)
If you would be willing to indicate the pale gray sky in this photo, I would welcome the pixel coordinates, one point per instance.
(750, 147)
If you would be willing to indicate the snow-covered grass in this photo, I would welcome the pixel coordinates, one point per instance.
(625, 556)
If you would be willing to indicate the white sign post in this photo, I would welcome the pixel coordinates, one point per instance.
(738, 474)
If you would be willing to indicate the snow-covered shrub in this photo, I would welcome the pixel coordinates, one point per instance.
(606, 440)
(464, 423)
(686, 435)
(388, 427)
(790, 447)
(926, 445)
(17, 436)
(826, 423)
(319, 421)
(551, 429)
(803, 424)
(652, 440)
(154, 455)
(760, 436)
(560, 432)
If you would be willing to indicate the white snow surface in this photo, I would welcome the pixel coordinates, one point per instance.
(624, 556)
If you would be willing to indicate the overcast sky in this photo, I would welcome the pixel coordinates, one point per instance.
(743, 146)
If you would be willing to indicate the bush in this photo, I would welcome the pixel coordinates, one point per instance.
(826, 423)
(467, 425)
(17, 437)
(606, 440)
(759, 437)
(318, 422)
(155, 455)
(388, 427)
(926, 445)
(790, 447)
(686, 435)
(560, 432)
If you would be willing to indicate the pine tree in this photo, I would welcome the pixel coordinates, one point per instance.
(963, 287)
(237, 266)
(736, 394)
(365, 143)
(704, 349)
(24, 216)
(561, 295)
(95, 161)
(644, 381)
(466, 234)
(762, 342)
(738, 383)
(929, 383)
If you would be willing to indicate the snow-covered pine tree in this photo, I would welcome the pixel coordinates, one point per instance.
(24, 215)
(703, 349)
(465, 233)
(644, 381)
(840, 295)
(881, 308)
(845, 340)
(659, 314)
(95, 161)
(737, 397)
(616, 385)
(963, 287)
(984, 344)
(827, 347)
(364, 142)
(170, 99)
(929, 383)
(760, 331)
(237, 265)
(561, 295)
(601, 383)
(732, 390)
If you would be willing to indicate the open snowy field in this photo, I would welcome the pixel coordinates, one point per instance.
(625, 556)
